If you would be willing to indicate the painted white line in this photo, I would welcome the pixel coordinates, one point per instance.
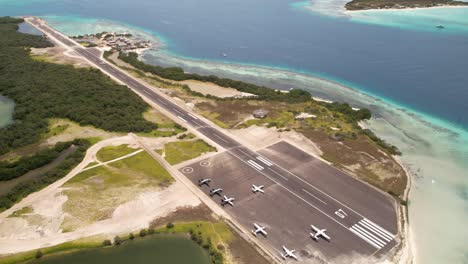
(314, 196)
(146, 92)
(369, 235)
(278, 174)
(378, 227)
(216, 135)
(194, 117)
(182, 119)
(245, 153)
(364, 238)
(177, 111)
(264, 160)
(255, 165)
(378, 232)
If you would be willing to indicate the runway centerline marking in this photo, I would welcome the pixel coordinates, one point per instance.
(278, 174)
(194, 117)
(314, 196)
(216, 135)
(177, 111)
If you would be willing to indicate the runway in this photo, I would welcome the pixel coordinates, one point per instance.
(300, 190)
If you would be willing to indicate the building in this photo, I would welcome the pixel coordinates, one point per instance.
(260, 113)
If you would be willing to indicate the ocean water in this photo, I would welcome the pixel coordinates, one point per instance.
(414, 80)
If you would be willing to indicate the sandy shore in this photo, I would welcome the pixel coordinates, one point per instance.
(350, 12)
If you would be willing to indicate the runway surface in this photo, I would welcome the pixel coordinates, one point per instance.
(299, 189)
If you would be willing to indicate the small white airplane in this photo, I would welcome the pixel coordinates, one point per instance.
(204, 181)
(319, 233)
(227, 200)
(257, 188)
(259, 229)
(216, 191)
(288, 253)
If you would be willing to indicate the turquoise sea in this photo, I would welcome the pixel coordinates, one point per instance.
(412, 75)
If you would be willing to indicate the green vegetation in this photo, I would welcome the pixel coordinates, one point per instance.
(23, 189)
(22, 211)
(44, 90)
(176, 152)
(113, 152)
(84, 243)
(211, 236)
(95, 193)
(178, 74)
(383, 4)
(11, 170)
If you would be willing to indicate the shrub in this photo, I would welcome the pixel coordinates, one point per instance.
(39, 254)
(131, 236)
(106, 243)
(143, 232)
(117, 240)
(169, 225)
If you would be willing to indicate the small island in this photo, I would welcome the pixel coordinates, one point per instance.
(355, 5)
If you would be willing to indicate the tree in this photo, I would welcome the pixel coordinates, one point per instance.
(106, 243)
(117, 240)
(170, 225)
(142, 232)
(39, 254)
(131, 236)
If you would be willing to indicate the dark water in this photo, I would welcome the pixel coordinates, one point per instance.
(423, 70)
(155, 249)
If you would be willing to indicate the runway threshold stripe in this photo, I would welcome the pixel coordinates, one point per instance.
(255, 165)
(364, 238)
(264, 160)
(378, 227)
(378, 232)
(369, 235)
(182, 118)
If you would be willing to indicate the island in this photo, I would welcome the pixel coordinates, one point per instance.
(355, 5)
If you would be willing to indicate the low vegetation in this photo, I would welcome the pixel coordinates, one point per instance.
(25, 188)
(44, 90)
(11, 170)
(177, 152)
(95, 193)
(113, 152)
(383, 4)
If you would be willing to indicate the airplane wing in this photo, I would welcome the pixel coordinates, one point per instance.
(326, 236)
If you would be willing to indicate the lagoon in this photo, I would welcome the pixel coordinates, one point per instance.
(174, 249)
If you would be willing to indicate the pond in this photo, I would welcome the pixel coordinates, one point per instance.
(174, 249)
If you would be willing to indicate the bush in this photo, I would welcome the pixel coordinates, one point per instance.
(169, 225)
(131, 236)
(117, 240)
(143, 232)
(39, 254)
(150, 231)
(106, 243)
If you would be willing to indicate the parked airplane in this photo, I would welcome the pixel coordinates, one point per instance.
(227, 200)
(319, 233)
(216, 191)
(259, 229)
(257, 188)
(288, 253)
(204, 181)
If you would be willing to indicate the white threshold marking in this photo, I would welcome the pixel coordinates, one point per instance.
(278, 174)
(364, 238)
(379, 228)
(369, 235)
(383, 235)
(194, 117)
(182, 119)
(216, 135)
(255, 165)
(314, 196)
(264, 160)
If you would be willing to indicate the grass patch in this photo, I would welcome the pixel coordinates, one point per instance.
(22, 211)
(177, 152)
(91, 164)
(84, 243)
(113, 152)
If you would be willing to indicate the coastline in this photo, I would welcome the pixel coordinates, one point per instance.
(346, 11)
